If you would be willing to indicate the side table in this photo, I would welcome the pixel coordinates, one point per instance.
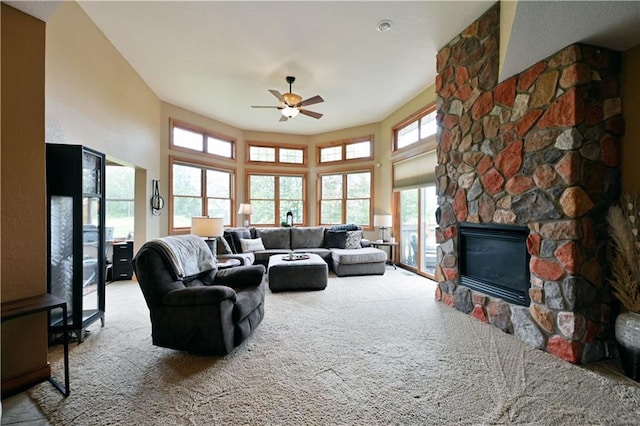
(32, 305)
(389, 244)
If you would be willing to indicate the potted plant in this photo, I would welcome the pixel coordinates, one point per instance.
(624, 224)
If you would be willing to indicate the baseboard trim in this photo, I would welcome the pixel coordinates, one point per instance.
(24, 381)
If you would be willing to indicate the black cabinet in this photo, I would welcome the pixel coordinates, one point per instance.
(76, 234)
(121, 268)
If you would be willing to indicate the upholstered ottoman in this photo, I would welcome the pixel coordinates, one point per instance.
(364, 261)
(304, 274)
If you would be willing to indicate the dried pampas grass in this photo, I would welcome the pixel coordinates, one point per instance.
(624, 221)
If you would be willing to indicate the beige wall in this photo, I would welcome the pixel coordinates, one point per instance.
(95, 98)
(23, 201)
(631, 112)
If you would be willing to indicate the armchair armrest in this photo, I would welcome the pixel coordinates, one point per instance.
(242, 276)
(365, 243)
(192, 296)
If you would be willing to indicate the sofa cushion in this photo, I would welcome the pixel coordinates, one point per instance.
(335, 239)
(353, 240)
(253, 244)
(364, 255)
(307, 237)
(275, 238)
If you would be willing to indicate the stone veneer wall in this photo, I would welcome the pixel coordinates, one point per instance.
(539, 149)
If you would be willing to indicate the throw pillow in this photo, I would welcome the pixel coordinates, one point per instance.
(353, 240)
(345, 227)
(237, 236)
(249, 245)
(228, 237)
(222, 246)
(335, 239)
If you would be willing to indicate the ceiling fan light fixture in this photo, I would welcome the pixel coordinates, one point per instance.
(290, 112)
(292, 98)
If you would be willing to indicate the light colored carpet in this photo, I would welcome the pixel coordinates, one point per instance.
(367, 350)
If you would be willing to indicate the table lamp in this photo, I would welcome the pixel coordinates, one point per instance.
(246, 210)
(383, 221)
(208, 227)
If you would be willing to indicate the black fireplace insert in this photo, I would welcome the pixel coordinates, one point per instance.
(494, 260)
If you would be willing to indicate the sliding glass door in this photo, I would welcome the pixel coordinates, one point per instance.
(417, 209)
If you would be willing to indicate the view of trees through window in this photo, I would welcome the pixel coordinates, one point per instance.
(272, 196)
(360, 148)
(345, 198)
(119, 200)
(200, 191)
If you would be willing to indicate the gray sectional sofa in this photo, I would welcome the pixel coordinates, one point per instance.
(325, 242)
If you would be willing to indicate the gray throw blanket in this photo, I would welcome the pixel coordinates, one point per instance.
(188, 254)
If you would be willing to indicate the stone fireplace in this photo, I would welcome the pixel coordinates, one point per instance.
(539, 151)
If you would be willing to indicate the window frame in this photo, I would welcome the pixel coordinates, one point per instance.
(345, 173)
(203, 166)
(423, 144)
(305, 183)
(173, 123)
(344, 144)
(277, 147)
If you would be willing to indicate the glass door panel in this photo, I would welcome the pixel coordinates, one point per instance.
(90, 252)
(428, 206)
(409, 221)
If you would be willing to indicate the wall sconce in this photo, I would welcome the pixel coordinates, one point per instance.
(157, 202)
(246, 210)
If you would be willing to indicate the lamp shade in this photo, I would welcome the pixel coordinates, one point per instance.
(382, 220)
(245, 209)
(207, 226)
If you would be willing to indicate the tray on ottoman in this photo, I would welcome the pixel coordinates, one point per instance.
(304, 274)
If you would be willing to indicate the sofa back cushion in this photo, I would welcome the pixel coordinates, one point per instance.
(311, 237)
(275, 238)
(335, 239)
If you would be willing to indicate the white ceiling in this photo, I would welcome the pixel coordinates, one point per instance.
(218, 58)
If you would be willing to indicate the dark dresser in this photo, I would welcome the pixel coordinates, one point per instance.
(121, 268)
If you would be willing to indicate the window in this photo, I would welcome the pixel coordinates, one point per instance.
(199, 190)
(272, 196)
(120, 200)
(415, 129)
(191, 138)
(266, 152)
(352, 149)
(345, 198)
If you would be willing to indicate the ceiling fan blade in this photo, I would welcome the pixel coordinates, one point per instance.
(311, 101)
(264, 106)
(310, 113)
(277, 95)
(283, 118)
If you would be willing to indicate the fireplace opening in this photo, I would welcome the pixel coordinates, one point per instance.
(494, 260)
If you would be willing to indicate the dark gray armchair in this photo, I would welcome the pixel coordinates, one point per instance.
(210, 312)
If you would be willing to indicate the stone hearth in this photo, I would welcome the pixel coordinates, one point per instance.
(539, 149)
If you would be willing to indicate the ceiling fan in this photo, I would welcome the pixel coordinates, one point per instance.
(290, 103)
